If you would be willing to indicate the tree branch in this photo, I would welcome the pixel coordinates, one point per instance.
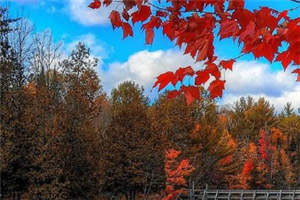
(297, 1)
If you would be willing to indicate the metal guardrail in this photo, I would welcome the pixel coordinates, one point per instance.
(245, 194)
(214, 194)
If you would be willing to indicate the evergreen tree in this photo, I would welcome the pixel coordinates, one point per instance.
(249, 116)
(132, 160)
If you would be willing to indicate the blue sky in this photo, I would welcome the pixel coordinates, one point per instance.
(130, 59)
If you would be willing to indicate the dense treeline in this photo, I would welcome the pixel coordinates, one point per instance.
(62, 137)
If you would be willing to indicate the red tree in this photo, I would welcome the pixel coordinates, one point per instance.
(175, 172)
(260, 32)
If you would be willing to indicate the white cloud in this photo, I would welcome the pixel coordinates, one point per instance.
(247, 78)
(81, 13)
(257, 80)
(91, 41)
(143, 67)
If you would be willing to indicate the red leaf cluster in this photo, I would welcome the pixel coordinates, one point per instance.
(191, 92)
(261, 32)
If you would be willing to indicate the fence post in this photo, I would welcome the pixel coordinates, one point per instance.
(193, 191)
(204, 192)
(190, 193)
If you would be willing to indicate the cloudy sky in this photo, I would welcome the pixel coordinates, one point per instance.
(130, 59)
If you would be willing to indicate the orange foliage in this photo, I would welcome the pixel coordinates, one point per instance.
(226, 160)
(252, 148)
(263, 145)
(223, 119)
(175, 173)
(278, 138)
(31, 88)
(248, 167)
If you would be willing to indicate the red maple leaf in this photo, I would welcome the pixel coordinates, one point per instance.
(228, 28)
(236, 4)
(164, 79)
(227, 64)
(154, 22)
(182, 72)
(107, 2)
(127, 30)
(191, 93)
(216, 88)
(244, 17)
(285, 59)
(202, 77)
(264, 50)
(115, 19)
(264, 18)
(213, 70)
(297, 71)
(249, 32)
(148, 27)
(95, 4)
(149, 36)
(141, 14)
(168, 29)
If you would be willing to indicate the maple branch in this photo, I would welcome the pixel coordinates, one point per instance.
(292, 9)
(185, 11)
(297, 1)
(241, 55)
(155, 6)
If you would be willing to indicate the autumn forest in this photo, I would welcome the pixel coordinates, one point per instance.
(62, 137)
